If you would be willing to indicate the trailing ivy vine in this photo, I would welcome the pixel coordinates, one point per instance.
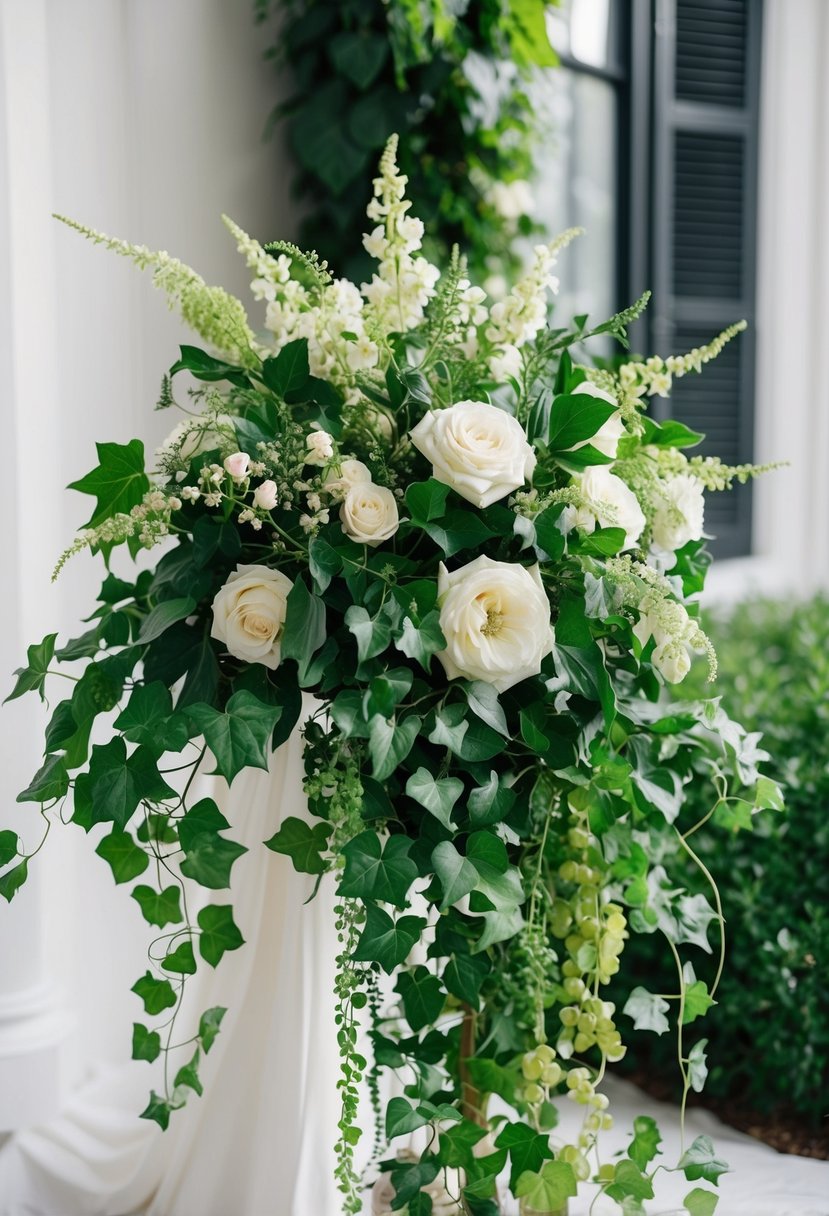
(448, 75)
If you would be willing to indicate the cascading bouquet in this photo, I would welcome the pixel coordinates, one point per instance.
(482, 558)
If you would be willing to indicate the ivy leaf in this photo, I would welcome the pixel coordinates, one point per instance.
(119, 481)
(697, 1002)
(8, 847)
(630, 1183)
(438, 795)
(32, 677)
(390, 740)
(490, 803)
(144, 720)
(372, 634)
(359, 56)
(409, 1180)
(426, 500)
(324, 562)
(289, 370)
(301, 842)
(528, 1150)
(483, 701)
(385, 692)
(13, 880)
(402, 1118)
(208, 856)
(181, 960)
(386, 941)
(146, 1044)
(118, 782)
(701, 1161)
(123, 855)
(457, 875)
(209, 1024)
(304, 630)
(463, 976)
(159, 619)
(694, 914)
(456, 531)
(51, 781)
(219, 932)
(188, 1075)
(239, 735)
(158, 1110)
(374, 871)
(647, 1010)
(156, 994)
(422, 996)
(700, 1203)
(457, 1143)
(420, 642)
(549, 1188)
(645, 1143)
(698, 1066)
(159, 907)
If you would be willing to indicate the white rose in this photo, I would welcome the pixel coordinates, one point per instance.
(369, 513)
(320, 447)
(477, 449)
(610, 503)
(342, 477)
(680, 508)
(606, 439)
(249, 614)
(495, 617)
(264, 496)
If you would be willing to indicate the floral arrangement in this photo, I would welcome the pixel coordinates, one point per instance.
(483, 559)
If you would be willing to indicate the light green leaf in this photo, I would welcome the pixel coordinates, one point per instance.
(697, 1002)
(701, 1161)
(438, 795)
(701, 1203)
(372, 634)
(390, 741)
(219, 932)
(420, 642)
(647, 1010)
(549, 1188)
(698, 1066)
(645, 1143)
(123, 855)
(629, 1182)
(457, 875)
(483, 701)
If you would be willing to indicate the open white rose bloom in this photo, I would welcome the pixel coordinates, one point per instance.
(480, 559)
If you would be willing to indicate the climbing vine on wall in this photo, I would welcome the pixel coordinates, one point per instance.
(451, 77)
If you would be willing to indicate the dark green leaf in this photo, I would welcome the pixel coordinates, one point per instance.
(426, 500)
(118, 782)
(372, 634)
(402, 1118)
(303, 843)
(146, 1044)
(645, 1143)
(32, 677)
(209, 1025)
(375, 871)
(701, 1161)
(324, 562)
(159, 907)
(158, 1110)
(238, 737)
(188, 1075)
(219, 932)
(422, 997)
(157, 995)
(181, 961)
(165, 614)
(51, 781)
(457, 875)
(386, 941)
(463, 976)
(576, 418)
(549, 1188)
(13, 880)
(438, 795)
(527, 1149)
(420, 642)
(119, 481)
(304, 624)
(8, 847)
(288, 371)
(390, 741)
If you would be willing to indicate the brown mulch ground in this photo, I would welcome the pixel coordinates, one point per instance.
(784, 1130)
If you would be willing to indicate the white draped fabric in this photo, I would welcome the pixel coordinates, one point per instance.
(260, 1140)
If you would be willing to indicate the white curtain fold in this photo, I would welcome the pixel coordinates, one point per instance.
(260, 1141)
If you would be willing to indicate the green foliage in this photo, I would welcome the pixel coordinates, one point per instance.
(450, 79)
(768, 1036)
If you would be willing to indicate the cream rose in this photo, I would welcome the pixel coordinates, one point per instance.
(680, 508)
(369, 514)
(477, 449)
(249, 614)
(342, 477)
(320, 447)
(265, 495)
(609, 502)
(606, 439)
(495, 617)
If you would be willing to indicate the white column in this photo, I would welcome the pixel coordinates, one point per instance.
(31, 1022)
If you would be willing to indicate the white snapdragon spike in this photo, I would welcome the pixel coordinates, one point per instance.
(249, 614)
(519, 316)
(606, 439)
(477, 449)
(608, 502)
(679, 511)
(495, 617)
(369, 514)
(402, 285)
(655, 375)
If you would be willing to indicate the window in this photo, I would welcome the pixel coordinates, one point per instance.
(694, 111)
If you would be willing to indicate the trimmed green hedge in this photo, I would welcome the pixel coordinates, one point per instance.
(769, 1034)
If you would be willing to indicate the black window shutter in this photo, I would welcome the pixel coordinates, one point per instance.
(703, 188)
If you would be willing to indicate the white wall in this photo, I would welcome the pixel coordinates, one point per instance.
(143, 118)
